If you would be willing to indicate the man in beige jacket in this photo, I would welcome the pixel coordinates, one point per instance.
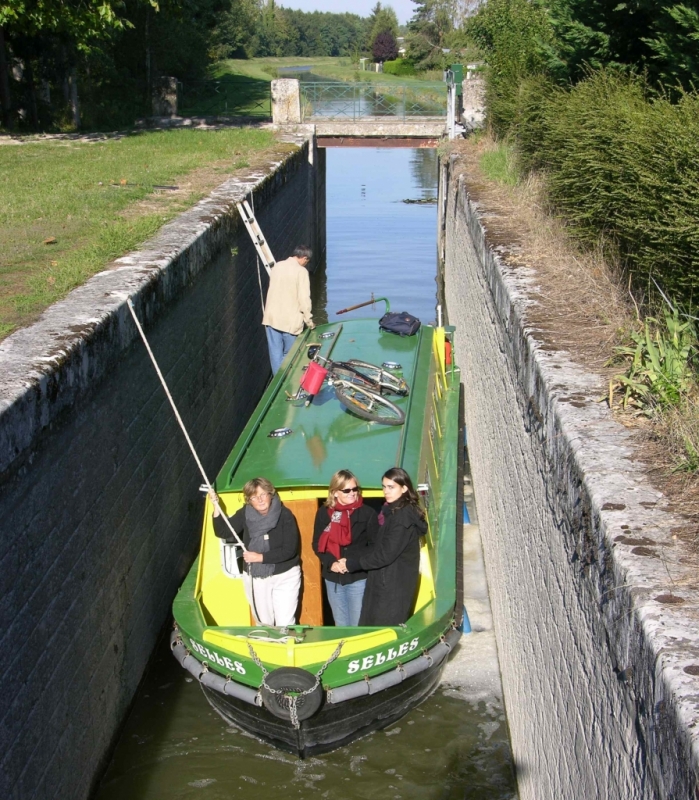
(288, 304)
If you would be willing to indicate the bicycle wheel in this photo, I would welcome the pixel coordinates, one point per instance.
(386, 380)
(368, 405)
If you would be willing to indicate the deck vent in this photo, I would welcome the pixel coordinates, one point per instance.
(327, 335)
(392, 365)
(279, 433)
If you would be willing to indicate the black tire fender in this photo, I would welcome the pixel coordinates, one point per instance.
(291, 681)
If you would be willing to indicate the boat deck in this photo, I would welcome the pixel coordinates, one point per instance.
(325, 436)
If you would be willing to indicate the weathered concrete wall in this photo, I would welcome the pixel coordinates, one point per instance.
(99, 507)
(590, 590)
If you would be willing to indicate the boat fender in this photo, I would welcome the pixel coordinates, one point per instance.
(385, 680)
(348, 692)
(212, 681)
(435, 655)
(418, 665)
(282, 684)
(245, 693)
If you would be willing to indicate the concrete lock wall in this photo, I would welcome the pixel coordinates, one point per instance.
(99, 504)
(598, 657)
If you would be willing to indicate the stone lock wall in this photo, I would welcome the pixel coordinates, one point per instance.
(99, 505)
(598, 660)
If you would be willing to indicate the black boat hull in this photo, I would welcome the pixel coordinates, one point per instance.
(334, 725)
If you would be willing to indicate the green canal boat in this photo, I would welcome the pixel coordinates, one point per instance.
(313, 687)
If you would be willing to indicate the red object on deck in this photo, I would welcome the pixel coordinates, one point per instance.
(313, 378)
(447, 352)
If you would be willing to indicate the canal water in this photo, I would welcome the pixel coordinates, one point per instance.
(452, 747)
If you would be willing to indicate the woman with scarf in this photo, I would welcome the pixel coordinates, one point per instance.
(344, 527)
(272, 576)
(393, 563)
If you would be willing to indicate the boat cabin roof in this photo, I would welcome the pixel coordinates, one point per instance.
(325, 436)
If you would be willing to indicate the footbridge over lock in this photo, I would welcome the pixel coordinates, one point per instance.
(347, 114)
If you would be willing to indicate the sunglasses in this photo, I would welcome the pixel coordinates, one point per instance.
(350, 490)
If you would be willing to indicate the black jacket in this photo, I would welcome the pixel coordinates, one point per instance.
(364, 524)
(284, 539)
(393, 564)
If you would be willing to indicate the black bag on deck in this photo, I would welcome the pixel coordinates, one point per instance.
(401, 323)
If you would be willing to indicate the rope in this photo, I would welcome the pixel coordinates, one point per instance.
(209, 487)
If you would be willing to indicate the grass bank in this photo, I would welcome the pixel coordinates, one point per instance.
(265, 69)
(70, 206)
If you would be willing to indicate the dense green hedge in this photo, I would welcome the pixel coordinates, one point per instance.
(622, 163)
(399, 67)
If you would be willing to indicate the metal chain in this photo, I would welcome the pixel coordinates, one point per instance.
(294, 698)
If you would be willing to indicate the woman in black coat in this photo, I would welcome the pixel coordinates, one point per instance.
(393, 563)
(344, 528)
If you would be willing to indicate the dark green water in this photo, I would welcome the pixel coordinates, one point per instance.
(175, 746)
(450, 748)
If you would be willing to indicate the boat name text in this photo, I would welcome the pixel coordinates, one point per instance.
(215, 658)
(381, 658)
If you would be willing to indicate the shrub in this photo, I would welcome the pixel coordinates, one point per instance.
(399, 67)
(625, 164)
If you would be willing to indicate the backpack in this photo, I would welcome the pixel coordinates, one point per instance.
(401, 323)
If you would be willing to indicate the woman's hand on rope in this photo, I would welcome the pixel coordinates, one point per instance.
(252, 558)
(215, 502)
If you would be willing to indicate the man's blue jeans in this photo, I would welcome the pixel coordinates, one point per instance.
(346, 601)
(279, 344)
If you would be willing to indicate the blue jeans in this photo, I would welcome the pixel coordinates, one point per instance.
(279, 344)
(346, 601)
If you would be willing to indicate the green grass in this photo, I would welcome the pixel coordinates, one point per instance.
(499, 165)
(331, 68)
(72, 191)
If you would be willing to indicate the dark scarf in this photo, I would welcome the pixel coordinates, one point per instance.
(259, 525)
(338, 533)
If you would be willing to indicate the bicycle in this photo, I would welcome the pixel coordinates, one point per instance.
(358, 385)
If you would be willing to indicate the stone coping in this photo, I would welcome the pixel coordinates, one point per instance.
(640, 576)
(46, 367)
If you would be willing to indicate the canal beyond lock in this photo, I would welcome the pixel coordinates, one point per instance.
(452, 747)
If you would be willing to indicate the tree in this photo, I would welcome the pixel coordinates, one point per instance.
(77, 23)
(385, 47)
(383, 19)
(429, 29)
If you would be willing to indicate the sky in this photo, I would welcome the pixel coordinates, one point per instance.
(404, 8)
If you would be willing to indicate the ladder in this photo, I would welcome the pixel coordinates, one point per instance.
(256, 235)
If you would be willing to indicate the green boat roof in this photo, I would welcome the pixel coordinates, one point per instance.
(325, 435)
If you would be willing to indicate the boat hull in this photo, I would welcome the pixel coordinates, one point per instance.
(335, 725)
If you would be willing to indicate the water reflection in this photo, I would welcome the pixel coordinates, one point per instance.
(376, 242)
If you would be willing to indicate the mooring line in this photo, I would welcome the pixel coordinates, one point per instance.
(207, 482)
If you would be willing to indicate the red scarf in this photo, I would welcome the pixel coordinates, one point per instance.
(338, 532)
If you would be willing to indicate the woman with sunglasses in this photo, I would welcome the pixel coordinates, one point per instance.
(272, 576)
(344, 527)
(393, 563)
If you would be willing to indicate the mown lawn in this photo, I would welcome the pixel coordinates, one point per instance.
(265, 69)
(68, 207)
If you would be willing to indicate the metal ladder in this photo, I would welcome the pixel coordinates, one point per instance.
(256, 235)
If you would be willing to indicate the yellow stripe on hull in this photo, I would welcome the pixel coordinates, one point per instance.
(293, 654)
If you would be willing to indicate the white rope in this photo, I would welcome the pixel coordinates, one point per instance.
(209, 487)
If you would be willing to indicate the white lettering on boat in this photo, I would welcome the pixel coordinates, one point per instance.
(215, 658)
(381, 658)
